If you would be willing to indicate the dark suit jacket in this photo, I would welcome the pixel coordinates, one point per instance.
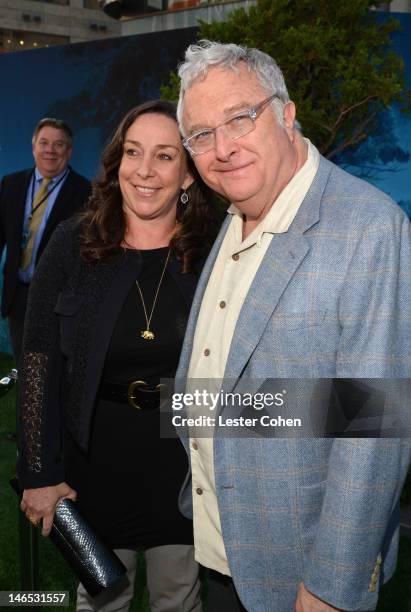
(13, 191)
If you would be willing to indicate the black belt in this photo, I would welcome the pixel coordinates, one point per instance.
(138, 394)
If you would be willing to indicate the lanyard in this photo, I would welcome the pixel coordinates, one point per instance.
(33, 182)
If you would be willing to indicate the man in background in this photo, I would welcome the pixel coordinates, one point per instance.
(32, 204)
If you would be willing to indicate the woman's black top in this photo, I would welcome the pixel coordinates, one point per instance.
(128, 481)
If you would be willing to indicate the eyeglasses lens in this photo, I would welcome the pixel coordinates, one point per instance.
(234, 128)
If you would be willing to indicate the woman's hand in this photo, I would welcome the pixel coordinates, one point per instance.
(41, 503)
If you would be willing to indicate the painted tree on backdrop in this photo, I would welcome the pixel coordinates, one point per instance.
(121, 73)
(340, 68)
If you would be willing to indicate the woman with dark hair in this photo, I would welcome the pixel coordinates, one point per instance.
(107, 313)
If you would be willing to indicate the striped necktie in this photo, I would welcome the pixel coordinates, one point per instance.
(38, 207)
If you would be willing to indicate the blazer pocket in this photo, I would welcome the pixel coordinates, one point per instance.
(310, 499)
(299, 320)
(67, 309)
(305, 344)
(68, 304)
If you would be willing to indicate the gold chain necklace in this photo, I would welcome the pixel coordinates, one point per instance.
(147, 334)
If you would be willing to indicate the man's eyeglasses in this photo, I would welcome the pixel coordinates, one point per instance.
(237, 126)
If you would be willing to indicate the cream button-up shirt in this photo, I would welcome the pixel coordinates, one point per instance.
(230, 280)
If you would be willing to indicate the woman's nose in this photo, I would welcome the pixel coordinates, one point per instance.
(145, 168)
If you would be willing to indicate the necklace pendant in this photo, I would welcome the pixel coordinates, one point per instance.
(147, 334)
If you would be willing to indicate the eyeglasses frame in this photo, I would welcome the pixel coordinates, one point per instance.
(254, 112)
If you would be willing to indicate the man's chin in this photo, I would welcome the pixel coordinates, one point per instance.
(240, 199)
(237, 190)
(49, 169)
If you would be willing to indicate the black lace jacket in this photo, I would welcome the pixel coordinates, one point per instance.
(72, 309)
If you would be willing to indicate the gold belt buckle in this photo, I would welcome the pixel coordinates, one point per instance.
(139, 384)
(130, 393)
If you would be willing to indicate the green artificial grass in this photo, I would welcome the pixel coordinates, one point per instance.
(9, 564)
(55, 575)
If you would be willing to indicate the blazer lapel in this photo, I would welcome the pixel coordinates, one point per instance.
(185, 282)
(284, 256)
(282, 259)
(19, 206)
(124, 275)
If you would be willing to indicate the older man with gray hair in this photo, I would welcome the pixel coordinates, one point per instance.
(309, 278)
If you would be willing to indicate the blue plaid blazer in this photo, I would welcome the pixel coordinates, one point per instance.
(330, 299)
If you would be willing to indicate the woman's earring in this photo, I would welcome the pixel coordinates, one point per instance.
(184, 197)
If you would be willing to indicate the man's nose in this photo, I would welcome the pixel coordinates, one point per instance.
(225, 146)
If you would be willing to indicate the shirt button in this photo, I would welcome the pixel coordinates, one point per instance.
(195, 445)
(199, 491)
(222, 304)
(206, 352)
(236, 257)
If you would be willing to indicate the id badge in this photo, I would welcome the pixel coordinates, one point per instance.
(24, 239)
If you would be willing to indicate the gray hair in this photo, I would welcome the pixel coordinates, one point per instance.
(201, 57)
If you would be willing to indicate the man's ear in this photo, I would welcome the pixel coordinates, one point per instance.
(289, 118)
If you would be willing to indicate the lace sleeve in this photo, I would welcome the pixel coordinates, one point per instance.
(32, 375)
(39, 421)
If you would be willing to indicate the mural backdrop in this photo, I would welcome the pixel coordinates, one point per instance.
(92, 85)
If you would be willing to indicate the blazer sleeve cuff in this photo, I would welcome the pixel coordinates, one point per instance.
(32, 480)
(348, 591)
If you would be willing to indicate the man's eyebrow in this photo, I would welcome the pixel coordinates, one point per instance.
(159, 146)
(241, 106)
(59, 140)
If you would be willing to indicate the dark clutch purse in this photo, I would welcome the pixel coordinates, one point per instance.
(95, 565)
